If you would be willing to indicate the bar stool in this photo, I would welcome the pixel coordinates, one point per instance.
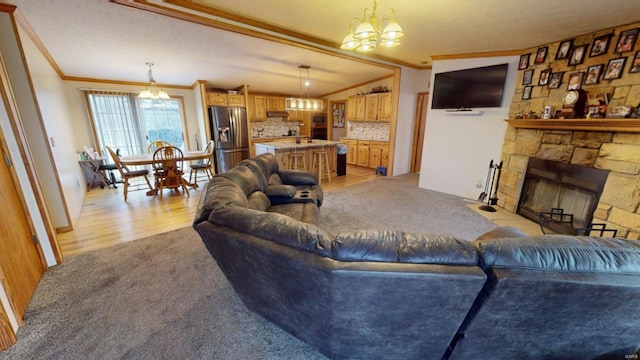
(293, 161)
(321, 159)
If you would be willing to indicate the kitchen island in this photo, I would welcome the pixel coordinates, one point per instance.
(282, 150)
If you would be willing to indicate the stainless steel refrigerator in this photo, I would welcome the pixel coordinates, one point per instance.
(230, 133)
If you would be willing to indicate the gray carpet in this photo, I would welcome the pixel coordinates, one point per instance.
(163, 297)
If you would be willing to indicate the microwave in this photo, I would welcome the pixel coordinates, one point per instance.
(319, 119)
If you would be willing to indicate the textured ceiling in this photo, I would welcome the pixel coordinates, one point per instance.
(103, 40)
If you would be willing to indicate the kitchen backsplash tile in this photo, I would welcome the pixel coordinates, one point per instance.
(273, 127)
(368, 131)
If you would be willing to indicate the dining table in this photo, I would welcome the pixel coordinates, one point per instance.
(147, 159)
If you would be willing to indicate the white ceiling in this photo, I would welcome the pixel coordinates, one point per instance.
(99, 39)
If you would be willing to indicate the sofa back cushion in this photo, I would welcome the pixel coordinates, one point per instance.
(398, 246)
(275, 227)
(244, 177)
(561, 253)
(258, 172)
(268, 163)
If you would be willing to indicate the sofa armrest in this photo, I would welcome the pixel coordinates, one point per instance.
(293, 177)
(281, 191)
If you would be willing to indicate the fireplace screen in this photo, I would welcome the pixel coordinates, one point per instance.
(551, 185)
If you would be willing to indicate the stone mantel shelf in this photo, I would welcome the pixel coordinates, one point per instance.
(619, 125)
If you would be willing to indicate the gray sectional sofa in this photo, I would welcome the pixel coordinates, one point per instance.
(375, 294)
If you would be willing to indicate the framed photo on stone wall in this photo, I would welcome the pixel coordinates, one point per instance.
(600, 45)
(577, 55)
(524, 62)
(575, 81)
(555, 80)
(541, 55)
(527, 77)
(593, 74)
(635, 65)
(564, 50)
(614, 69)
(526, 92)
(544, 77)
(627, 40)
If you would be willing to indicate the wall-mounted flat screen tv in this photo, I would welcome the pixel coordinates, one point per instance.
(480, 87)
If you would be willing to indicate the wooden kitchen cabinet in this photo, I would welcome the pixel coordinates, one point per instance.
(260, 108)
(350, 113)
(236, 100)
(276, 103)
(378, 154)
(371, 107)
(356, 105)
(220, 99)
(216, 99)
(384, 106)
(360, 107)
(363, 153)
(304, 117)
(378, 107)
(251, 108)
(352, 151)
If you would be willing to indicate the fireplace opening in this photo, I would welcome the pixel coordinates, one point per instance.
(552, 187)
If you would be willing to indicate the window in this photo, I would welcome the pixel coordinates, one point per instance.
(122, 121)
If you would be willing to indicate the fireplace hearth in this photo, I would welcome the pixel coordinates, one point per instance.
(551, 188)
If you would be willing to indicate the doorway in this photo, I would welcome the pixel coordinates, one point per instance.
(336, 121)
(420, 122)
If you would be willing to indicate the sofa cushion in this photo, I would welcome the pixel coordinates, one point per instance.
(561, 253)
(275, 179)
(276, 227)
(305, 212)
(258, 201)
(244, 177)
(398, 246)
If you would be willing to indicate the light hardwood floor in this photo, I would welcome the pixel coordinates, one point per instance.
(106, 220)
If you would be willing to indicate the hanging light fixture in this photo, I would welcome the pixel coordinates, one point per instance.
(152, 92)
(300, 103)
(369, 33)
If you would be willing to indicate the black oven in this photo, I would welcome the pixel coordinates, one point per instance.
(319, 126)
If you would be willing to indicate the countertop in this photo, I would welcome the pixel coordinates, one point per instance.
(303, 144)
(272, 138)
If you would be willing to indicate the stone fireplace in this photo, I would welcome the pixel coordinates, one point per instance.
(618, 152)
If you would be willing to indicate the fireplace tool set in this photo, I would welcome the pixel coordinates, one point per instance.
(491, 187)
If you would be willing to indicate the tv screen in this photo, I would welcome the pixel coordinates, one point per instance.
(480, 87)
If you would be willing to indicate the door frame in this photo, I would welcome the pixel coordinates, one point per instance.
(419, 125)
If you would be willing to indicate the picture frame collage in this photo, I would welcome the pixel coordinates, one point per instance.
(576, 55)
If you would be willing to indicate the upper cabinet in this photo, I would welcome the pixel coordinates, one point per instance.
(371, 107)
(220, 99)
(276, 103)
(259, 111)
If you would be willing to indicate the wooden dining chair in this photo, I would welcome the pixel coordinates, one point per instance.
(127, 174)
(155, 145)
(206, 165)
(168, 169)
